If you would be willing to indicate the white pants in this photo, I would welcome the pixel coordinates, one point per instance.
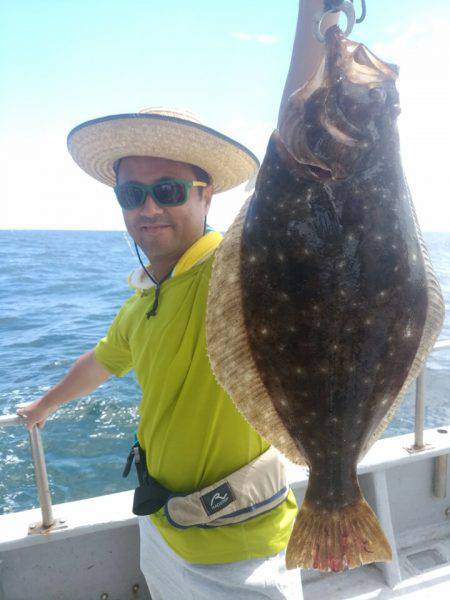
(169, 577)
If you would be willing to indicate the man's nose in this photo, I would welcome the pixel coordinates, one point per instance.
(150, 208)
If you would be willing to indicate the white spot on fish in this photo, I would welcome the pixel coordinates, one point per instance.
(378, 238)
(341, 264)
(280, 256)
(299, 371)
(264, 331)
(382, 294)
(253, 258)
(368, 321)
(334, 347)
(334, 420)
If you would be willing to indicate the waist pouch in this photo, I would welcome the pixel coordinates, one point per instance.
(250, 491)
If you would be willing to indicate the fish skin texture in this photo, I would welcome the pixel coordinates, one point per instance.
(337, 304)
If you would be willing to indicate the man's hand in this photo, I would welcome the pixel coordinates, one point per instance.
(36, 413)
(84, 377)
(307, 51)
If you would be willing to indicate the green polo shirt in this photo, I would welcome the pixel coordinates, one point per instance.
(191, 431)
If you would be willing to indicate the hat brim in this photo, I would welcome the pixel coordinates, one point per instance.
(97, 144)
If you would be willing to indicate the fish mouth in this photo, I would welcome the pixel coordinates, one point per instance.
(331, 123)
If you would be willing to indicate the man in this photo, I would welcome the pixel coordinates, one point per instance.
(164, 167)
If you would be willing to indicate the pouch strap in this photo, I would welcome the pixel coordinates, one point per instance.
(253, 489)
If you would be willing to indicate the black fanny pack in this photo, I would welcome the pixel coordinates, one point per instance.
(150, 496)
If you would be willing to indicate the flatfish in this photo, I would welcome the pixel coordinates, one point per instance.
(323, 304)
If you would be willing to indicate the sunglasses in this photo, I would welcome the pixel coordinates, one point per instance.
(170, 192)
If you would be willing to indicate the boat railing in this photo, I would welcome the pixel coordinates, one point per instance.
(43, 489)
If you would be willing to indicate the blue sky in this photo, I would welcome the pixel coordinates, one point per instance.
(64, 62)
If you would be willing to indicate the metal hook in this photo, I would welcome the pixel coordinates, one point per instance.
(334, 6)
(346, 7)
(363, 12)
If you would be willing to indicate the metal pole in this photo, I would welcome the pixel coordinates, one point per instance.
(440, 476)
(40, 471)
(10, 420)
(420, 410)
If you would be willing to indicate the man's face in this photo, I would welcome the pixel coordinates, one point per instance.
(164, 232)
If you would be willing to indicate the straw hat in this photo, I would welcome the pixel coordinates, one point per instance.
(160, 132)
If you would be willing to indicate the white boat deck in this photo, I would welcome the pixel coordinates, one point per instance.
(367, 583)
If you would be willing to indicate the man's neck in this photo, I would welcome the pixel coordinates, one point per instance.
(160, 268)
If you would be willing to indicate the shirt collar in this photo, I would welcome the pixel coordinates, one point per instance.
(194, 255)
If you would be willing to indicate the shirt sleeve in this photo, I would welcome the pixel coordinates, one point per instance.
(113, 351)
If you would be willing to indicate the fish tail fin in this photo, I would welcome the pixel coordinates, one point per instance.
(334, 539)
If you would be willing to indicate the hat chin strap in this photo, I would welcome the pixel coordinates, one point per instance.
(152, 311)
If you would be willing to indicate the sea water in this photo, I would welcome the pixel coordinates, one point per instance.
(59, 290)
